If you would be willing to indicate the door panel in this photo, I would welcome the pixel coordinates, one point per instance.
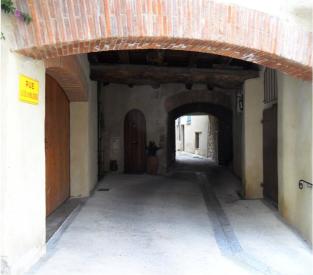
(57, 143)
(135, 141)
(225, 142)
(270, 178)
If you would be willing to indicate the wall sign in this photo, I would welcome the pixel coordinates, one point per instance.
(28, 90)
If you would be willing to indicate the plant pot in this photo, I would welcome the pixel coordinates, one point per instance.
(152, 165)
(113, 165)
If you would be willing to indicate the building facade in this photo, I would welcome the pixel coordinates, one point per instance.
(197, 134)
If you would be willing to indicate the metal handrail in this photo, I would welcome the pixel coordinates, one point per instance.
(303, 182)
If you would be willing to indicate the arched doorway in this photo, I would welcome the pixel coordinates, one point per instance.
(134, 141)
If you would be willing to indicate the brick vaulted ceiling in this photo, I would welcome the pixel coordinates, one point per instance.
(66, 27)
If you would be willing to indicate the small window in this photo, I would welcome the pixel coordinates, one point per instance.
(197, 140)
(188, 121)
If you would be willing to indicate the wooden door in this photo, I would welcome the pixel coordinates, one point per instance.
(225, 142)
(270, 178)
(135, 142)
(57, 145)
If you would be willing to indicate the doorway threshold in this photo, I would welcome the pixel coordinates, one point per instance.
(55, 220)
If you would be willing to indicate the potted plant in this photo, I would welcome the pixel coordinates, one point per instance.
(152, 159)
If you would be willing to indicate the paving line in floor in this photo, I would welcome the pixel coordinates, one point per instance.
(225, 236)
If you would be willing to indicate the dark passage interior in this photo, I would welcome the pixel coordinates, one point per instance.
(140, 95)
(149, 89)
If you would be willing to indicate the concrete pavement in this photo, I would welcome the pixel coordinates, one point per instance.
(186, 223)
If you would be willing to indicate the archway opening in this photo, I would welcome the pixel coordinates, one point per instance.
(221, 118)
(196, 138)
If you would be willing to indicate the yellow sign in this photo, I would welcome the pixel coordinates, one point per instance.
(28, 90)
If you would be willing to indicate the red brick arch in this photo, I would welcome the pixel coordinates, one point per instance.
(66, 27)
(67, 72)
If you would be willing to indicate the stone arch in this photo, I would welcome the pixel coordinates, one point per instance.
(67, 72)
(213, 109)
(62, 28)
(197, 96)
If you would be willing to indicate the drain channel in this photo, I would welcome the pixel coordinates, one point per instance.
(103, 189)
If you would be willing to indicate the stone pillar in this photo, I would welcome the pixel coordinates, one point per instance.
(252, 175)
(84, 143)
(213, 139)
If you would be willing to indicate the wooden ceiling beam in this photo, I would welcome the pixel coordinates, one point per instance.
(193, 58)
(93, 58)
(155, 57)
(123, 57)
(153, 75)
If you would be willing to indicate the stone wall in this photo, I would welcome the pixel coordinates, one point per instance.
(213, 139)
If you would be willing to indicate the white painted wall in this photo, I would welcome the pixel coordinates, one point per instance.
(22, 163)
(295, 152)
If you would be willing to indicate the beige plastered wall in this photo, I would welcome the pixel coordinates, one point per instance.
(295, 152)
(252, 144)
(22, 163)
(83, 139)
(294, 148)
(199, 123)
